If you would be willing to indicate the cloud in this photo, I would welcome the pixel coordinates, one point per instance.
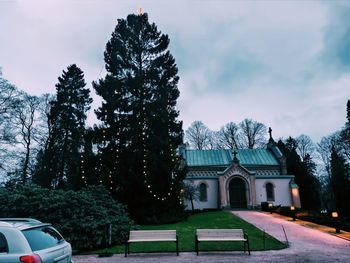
(334, 58)
(239, 44)
(284, 63)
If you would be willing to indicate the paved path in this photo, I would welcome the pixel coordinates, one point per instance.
(306, 245)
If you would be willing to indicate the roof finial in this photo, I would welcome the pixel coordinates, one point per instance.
(270, 132)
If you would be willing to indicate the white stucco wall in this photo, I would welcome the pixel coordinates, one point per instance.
(281, 189)
(212, 194)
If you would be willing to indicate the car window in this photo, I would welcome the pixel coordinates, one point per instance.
(3, 244)
(42, 238)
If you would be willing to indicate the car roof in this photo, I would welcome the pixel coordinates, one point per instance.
(18, 219)
(21, 223)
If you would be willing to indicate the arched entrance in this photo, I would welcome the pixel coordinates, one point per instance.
(238, 196)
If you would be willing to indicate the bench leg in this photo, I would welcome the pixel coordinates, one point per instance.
(247, 241)
(177, 246)
(126, 249)
(196, 246)
(244, 246)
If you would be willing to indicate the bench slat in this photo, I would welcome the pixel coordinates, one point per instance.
(151, 240)
(151, 236)
(203, 235)
(221, 239)
(220, 233)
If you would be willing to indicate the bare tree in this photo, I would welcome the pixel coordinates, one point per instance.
(198, 135)
(305, 146)
(228, 136)
(213, 140)
(7, 93)
(324, 149)
(43, 126)
(190, 192)
(20, 120)
(8, 96)
(252, 134)
(25, 118)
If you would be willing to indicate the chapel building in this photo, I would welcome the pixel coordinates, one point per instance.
(239, 179)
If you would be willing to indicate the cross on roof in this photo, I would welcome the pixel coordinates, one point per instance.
(235, 155)
(270, 132)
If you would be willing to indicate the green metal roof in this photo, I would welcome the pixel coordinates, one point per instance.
(224, 157)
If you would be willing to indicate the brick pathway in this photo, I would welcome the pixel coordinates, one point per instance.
(325, 229)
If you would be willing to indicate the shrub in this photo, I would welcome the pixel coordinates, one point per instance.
(83, 217)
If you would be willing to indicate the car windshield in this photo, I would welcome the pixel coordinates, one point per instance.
(42, 237)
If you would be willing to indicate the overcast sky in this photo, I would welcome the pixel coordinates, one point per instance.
(283, 63)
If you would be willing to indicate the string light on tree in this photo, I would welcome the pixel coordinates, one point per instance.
(83, 177)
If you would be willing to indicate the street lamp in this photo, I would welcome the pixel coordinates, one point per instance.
(270, 207)
(292, 209)
(335, 217)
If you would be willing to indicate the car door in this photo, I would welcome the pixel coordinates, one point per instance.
(12, 246)
(48, 244)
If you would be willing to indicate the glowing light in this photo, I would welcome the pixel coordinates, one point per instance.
(335, 215)
(295, 192)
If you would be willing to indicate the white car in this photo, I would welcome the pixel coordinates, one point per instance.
(26, 240)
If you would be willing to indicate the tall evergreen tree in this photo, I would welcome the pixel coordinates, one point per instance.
(348, 111)
(311, 186)
(304, 172)
(345, 134)
(340, 183)
(59, 163)
(140, 131)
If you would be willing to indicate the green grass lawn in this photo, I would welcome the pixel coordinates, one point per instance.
(186, 232)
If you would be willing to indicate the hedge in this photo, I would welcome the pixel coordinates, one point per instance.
(83, 217)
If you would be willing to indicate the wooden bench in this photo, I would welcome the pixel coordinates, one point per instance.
(151, 236)
(231, 235)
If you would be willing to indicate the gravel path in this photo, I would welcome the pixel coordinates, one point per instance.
(306, 245)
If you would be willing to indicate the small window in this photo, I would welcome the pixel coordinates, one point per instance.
(3, 244)
(203, 194)
(270, 195)
(42, 237)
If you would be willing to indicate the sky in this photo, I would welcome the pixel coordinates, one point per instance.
(283, 63)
